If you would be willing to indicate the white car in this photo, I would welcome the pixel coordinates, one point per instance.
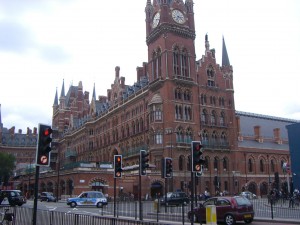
(88, 198)
(248, 194)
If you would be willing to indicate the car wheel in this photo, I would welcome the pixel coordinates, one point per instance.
(99, 205)
(47, 199)
(20, 204)
(229, 219)
(73, 204)
(248, 221)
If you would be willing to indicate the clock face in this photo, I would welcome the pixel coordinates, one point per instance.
(156, 19)
(178, 16)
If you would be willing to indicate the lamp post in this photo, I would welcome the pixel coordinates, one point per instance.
(246, 171)
(233, 181)
(269, 174)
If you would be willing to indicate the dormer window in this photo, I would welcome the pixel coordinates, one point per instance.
(210, 76)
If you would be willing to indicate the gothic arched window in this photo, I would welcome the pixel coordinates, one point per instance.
(176, 61)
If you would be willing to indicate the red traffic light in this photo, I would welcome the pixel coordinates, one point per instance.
(47, 132)
(118, 166)
(44, 145)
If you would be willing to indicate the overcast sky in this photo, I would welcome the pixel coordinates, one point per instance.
(43, 42)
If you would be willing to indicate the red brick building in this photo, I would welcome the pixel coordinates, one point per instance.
(176, 99)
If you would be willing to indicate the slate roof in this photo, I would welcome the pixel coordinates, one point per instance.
(267, 125)
(18, 139)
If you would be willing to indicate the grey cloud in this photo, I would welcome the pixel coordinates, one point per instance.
(14, 37)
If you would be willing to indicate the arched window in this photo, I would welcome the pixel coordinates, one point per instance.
(261, 166)
(133, 128)
(222, 119)
(213, 118)
(216, 163)
(177, 93)
(178, 112)
(184, 63)
(179, 135)
(127, 130)
(181, 162)
(214, 138)
(206, 165)
(187, 113)
(156, 64)
(189, 136)
(205, 137)
(210, 76)
(158, 138)
(187, 95)
(272, 166)
(176, 61)
(250, 166)
(188, 164)
(225, 164)
(223, 139)
(204, 116)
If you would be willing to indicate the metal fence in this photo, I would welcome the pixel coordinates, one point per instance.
(151, 213)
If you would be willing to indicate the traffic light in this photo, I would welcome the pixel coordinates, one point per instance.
(143, 162)
(118, 166)
(44, 145)
(197, 158)
(168, 167)
(199, 173)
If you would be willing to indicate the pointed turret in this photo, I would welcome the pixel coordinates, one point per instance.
(62, 94)
(206, 43)
(190, 13)
(94, 93)
(55, 99)
(225, 58)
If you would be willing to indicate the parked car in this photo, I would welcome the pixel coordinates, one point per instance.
(88, 198)
(248, 194)
(12, 197)
(229, 210)
(175, 198)
(47, 196)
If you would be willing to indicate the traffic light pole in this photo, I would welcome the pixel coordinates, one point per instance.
(36, 188)
(140, 197)
(115, 196)
(192, 198)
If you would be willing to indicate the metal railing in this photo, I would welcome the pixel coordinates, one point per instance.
(152, 213)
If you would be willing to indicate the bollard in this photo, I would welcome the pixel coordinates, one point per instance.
(211, 215)
(155, 204)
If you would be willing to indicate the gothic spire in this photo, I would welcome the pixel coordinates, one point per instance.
(225, 58)
(94, 93)
(55, 98)
(62, 94)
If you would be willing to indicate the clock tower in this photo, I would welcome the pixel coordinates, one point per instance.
(170, 32)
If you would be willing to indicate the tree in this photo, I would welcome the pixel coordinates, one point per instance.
(7, 162)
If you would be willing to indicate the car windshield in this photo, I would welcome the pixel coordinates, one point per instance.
(169, 195)
(242, 201)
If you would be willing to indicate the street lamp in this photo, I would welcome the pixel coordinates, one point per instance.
(233, 181)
